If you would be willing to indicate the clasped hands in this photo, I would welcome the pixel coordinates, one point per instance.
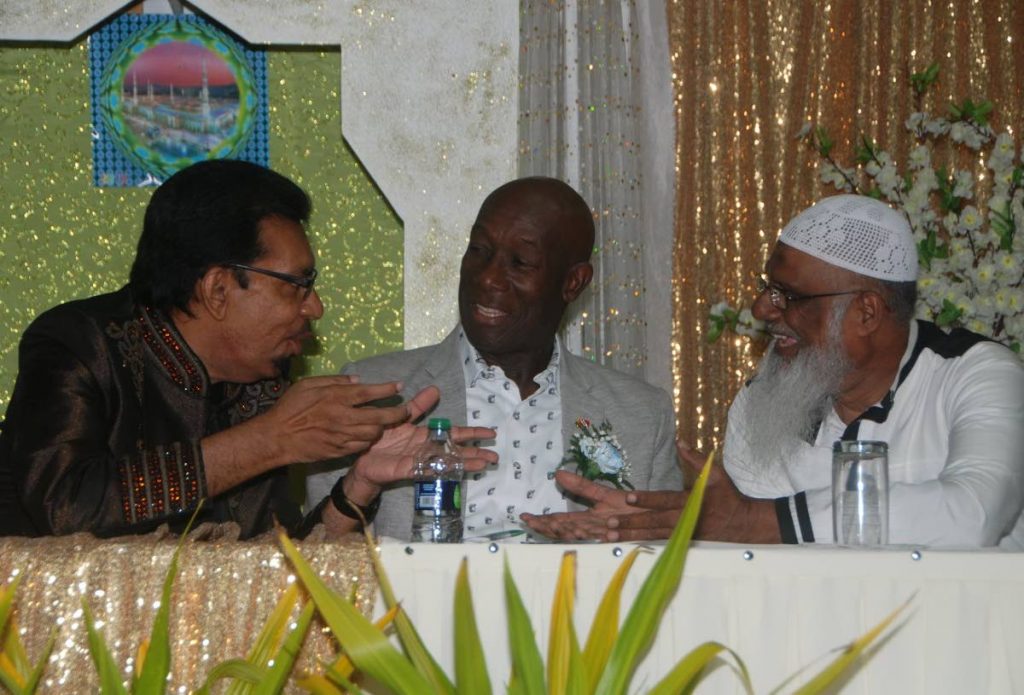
(638, 515)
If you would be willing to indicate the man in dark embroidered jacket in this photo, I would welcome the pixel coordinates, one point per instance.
(132, 406)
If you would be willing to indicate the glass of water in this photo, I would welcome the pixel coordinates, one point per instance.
(860, 493)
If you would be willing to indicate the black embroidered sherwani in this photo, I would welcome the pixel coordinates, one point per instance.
(103, 428)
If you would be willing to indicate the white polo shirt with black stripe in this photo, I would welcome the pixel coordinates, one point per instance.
(954, 423)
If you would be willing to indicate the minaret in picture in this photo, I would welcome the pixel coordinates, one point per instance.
(172, 92)
(204, 96)
(135, 88)
(149, 90)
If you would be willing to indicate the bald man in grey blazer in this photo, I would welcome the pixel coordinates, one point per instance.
(504, 368)
(640, 414)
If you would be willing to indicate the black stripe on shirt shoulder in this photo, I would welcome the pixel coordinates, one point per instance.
(947, 345)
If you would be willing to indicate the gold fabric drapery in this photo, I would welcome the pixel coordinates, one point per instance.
(748, 74)
(223, 595)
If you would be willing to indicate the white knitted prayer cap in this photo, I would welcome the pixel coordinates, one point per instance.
(857, 233)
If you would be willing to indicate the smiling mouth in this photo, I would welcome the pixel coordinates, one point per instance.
(488, 312)
(782, 340)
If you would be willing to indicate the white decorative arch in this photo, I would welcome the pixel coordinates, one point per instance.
(428, 105)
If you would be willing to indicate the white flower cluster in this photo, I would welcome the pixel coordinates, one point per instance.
(972, 260)
(723, 317)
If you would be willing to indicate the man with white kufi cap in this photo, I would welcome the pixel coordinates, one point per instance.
(847, 361)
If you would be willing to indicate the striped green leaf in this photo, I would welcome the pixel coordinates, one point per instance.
(109, 675)
(527, 666)
(565, 663)
(605, 627)
(649, 605)
(412, 643)
(239, 670)
(470, 664)
(366, 645)
(848, 656)
(284, 660)
(687, 673)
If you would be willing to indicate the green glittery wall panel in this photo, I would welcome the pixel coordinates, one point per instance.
(61, 238)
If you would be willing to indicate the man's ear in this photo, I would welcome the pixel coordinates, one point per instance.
(871, 310)
(576, 280)
(211, 291)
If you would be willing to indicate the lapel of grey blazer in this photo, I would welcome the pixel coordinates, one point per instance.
(578, 397)
(444, 370)
(579, 400)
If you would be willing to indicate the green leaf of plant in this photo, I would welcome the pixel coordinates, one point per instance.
(273, 630)
(650, 602)
(7, 601)
(237, 669)
(950, 313)
(109, 675)
(527, 666)
(32, 683)
(319, 685)
(341, 670)
(412, 643)
(715, 332)
(365, 644)
(9, 677)
(844, 660)
(686, 674)
(157, 663)
(982, 111)
(562, 632)
(284, 660)
(470, 664)
(865, 151)
(605, 627)
(14, 650)
(824, 142)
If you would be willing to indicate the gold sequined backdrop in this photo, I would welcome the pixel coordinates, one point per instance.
(61, 238)
(747, 75)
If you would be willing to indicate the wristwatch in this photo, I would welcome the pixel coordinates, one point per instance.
(349, 508)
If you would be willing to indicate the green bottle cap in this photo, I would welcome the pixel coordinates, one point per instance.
(439, 423)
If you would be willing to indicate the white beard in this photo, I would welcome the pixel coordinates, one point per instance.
(788, 399)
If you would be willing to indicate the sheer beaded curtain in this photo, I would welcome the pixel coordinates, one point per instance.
(594, 86)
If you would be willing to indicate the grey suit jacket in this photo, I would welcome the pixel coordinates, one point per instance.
(640, 414)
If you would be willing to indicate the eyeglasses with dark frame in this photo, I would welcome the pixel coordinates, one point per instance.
(304, 282)
(781, 299)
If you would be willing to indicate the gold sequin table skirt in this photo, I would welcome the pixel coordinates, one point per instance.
(223, 595)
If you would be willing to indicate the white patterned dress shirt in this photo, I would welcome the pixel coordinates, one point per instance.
(528, 444)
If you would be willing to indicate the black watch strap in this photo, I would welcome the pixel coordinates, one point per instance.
(349, 508)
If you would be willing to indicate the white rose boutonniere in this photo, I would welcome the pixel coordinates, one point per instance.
(597, 454)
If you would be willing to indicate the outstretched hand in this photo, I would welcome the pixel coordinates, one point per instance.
(321, 418)
(616, 515)
(391, 458)
(639, 515)
(317, 418)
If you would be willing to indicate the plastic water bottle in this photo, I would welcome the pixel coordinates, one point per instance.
(437, 487)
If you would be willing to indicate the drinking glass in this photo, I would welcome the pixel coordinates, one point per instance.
(860, 493)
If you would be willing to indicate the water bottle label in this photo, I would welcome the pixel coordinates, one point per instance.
(437, 497)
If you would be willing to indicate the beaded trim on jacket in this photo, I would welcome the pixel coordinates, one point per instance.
(179, 362)
(158, 480)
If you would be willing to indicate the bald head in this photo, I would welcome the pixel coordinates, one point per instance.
(553, 206)
(527, 259)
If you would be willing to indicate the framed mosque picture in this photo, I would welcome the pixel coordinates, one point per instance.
(169, 91)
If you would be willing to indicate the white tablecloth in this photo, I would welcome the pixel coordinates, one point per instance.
(781, 608)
